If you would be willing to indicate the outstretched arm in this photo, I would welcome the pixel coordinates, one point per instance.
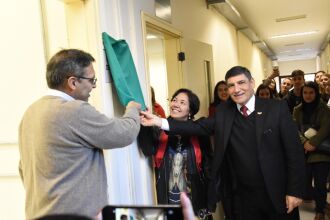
(203, 126)
(148, 119)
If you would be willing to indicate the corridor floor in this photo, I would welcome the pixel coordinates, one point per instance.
(306, 211)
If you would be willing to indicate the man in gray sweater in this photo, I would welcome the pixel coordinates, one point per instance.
(61, 138)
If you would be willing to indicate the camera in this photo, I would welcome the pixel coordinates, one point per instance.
(129, 212)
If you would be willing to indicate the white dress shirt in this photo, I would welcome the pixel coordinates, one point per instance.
(58, 93)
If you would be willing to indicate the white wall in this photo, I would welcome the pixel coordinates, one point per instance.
(209, 27)
(129, 174)
(23, 81)
(252, 58)
(325, 59)
(22, 77)
(286, 67)
(230, 48)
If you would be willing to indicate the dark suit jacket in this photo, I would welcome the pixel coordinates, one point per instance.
(280, 152)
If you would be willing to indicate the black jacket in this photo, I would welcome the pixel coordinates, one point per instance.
(148, 143)
(280, 152)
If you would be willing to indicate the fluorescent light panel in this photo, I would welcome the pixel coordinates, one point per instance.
(150, 36)
(294, 34)
(294, 44)
(298, 50)
(290, 18)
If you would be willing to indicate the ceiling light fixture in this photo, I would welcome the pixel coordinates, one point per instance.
(290, 18)
(286, 51)
(150, 36)
(304, 49)
(298, 50)
(294, 34)
(294, 44)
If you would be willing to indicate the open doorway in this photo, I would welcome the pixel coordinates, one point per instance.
(162, 47)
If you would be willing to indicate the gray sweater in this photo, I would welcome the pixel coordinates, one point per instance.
(61, 159)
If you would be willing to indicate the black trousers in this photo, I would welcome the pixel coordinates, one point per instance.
(319, 173)
(256, 205)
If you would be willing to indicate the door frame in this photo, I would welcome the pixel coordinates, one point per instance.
(161, 26)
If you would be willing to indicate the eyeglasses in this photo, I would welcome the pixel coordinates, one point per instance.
(91, 80)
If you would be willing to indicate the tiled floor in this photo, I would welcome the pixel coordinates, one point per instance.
(307, 211)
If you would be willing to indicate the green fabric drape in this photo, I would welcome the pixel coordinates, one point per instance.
(123, 70)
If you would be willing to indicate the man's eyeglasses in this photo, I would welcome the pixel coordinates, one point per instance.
(91, 80)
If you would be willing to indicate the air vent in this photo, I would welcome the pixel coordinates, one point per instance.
(163, 10)
(290, 18)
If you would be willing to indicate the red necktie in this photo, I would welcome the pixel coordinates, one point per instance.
(244, 111)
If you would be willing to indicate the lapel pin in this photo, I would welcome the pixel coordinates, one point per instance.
(259, 113)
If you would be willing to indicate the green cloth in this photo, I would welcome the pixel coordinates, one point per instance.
(123, 70)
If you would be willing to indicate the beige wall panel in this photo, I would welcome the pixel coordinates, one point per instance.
(308, 66)
(23, 64)
(245, 50)
(208, 26)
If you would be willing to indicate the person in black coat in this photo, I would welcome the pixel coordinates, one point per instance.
(258, 169)
(182, 162)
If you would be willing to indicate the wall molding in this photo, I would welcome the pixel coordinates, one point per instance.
(9, 143)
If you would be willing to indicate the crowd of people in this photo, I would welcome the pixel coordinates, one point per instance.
(256, 152)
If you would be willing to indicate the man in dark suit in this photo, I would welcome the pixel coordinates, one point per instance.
(258, 170)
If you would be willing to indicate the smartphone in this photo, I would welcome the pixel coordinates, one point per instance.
(130, 212)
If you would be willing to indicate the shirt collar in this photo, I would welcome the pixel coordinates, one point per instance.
(58, 93)
(250, 105)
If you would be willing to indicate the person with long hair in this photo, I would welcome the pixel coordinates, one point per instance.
(325, 79)
(264, 92)
(156, 107)
(314, 115)
(273, 89)
(182, 163)
(220, 94)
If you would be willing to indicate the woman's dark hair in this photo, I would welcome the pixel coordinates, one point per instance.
(153, 99)
(216, 99)
(192, 98)
(273, 91)
(263, 86)
(315, 87)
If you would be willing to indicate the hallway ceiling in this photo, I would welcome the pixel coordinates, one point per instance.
(271, 18)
